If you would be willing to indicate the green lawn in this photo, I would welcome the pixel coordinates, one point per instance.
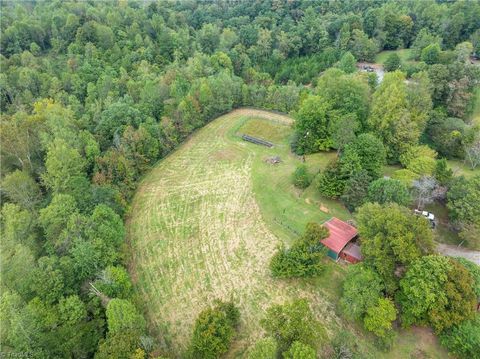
(275, 132)
(443, 233)
(206, 220)
(461, 169)
(390, 169)
(404, 54)
(286, 208)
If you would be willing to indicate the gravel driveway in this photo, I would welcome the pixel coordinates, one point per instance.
(454, 251)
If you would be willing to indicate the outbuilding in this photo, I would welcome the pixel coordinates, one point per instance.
(339, 241)
(351, 253)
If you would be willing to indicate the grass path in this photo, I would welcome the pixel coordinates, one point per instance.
(197, 235)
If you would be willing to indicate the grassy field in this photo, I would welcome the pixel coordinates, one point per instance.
(404, 54)
(461, 169)
(206, 221)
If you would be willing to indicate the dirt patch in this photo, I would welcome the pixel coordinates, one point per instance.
(426, 337)
(455, 251)
(323, 208)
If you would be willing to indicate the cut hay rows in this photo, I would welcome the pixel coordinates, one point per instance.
(197, 234)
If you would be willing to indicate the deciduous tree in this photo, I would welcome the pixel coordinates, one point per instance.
(347, 63)
(22, 189)
(392, 62)
(392, 239)
(292, 322)
(298, 350)
(361, 290)
(54, 218)
(265, 348)
(463, 200)
(214, 330)
(431, 54)
(379, 317)
(123, 316)
(438, 291)
(386, 190)
(390, 117)
(356, 190)
(63, 163)
(301, 177)
(463, 339)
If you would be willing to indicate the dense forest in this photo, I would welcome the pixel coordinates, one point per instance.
(94, 93)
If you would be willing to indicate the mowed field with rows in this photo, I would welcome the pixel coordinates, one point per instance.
(197, 234)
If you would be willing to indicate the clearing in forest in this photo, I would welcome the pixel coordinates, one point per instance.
(197, 234)
(206, 220)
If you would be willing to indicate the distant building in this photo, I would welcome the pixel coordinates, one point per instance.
(339, 242)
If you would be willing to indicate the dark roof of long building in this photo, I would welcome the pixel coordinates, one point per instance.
(340, 234)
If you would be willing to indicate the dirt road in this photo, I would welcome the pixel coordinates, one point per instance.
(454, 251)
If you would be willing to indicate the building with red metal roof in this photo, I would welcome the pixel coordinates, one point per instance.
(340, 235)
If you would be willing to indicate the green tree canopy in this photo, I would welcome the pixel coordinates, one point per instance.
(22, 189)
(371, 153)
(298, 350)
(123, 316)
(121, 345)
(463, 200)
(438, 291)
(311, 124)
(292, 322)
(379, 317)
(301, 177)
(55, 216)
(361, 290)
(431, 54)
(265, 348)
(387, 190)
(63, 163)
(106, 233)
(347, 63)
(214, 330)
(115, 282)
(356, 190)
(399, 112)
(463, 339)
(392, 62)
(392, 237)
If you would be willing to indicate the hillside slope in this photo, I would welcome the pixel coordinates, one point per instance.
(197, 235)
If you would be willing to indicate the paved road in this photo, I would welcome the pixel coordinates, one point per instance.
(454, 251)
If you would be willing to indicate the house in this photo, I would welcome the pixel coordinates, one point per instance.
(339, 242)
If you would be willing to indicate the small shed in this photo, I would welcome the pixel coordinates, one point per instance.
(341, 233)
